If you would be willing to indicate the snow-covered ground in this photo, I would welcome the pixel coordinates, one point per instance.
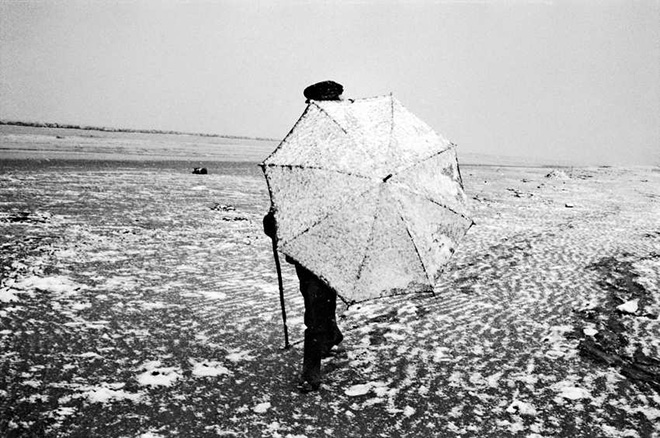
(139, 300)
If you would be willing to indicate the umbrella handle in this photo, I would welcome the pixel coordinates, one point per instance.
(278, 267)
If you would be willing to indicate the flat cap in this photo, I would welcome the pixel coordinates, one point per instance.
(326, 90)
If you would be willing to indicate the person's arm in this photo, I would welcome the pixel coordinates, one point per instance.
(270, 228)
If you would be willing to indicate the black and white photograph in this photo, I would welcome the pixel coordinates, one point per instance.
(329, 219)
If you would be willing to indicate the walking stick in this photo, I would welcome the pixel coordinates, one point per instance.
(279, 282)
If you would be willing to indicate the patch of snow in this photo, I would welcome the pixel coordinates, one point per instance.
(219, 431)
(629, 306)
(104, 395)
(150, 434)
(572, 392)
(441, 354)
(493, 379)
(652, 414)
(559, 345)
(357, 390)
(152, 306)
(238, 355)
(81, 306)
(90, 354)
(155, 375)
(261, 407)
(213, 295)
(7, 295)
(120, 282)
(32, 383)
(209, 369)
(57, 284)
(522, 408)
(589, 331)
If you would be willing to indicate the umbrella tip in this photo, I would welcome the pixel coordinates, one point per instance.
(325, 90)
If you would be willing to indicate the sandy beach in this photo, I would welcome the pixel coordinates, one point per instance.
(140, 300)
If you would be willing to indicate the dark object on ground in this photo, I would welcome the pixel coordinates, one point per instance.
(235, 219)
(222, 207)
(25, 216)
(200, 171)
(326, 90)
(305, 387)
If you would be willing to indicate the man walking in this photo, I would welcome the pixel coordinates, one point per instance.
(321, 333)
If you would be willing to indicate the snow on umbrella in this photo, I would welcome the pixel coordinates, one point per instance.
(368, 197)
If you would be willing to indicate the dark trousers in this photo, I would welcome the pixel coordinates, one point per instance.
(321, 331)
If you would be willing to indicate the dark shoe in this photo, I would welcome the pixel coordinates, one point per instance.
(311, 372)
(306, 387)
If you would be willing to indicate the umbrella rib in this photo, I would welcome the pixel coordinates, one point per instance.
(419, 255)
(366, 247)
(451, 146)
(446, 207)
(279, 146)
(344, 130)
(331, 118)
(300, 166)
(412, 239)
(327, 216)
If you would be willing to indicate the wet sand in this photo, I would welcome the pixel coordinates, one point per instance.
(137, 299)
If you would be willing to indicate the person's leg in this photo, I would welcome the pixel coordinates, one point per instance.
(314, 331)
(334, 335)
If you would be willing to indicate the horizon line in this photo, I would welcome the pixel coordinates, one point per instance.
(56, 125)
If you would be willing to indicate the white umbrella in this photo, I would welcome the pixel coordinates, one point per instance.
(368, 197)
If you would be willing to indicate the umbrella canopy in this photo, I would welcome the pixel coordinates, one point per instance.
(368, 197)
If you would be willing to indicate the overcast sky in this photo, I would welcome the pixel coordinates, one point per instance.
(577, 80)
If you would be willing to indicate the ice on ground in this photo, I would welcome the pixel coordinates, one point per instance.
(441, 354)
(89, 354)
(559, 345)
(7, 295)
(629, 306)
(361, 389)
(57, 284)
(213, 295)
(261, 407)
(238, 355)
(80, 306)
(357, 390)
(104, 395)
(522, 408)
(209, 369)
(154, 305)
(589, 331)
(121, 283)
(150, 434)
(572, 392)
(155, 375)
